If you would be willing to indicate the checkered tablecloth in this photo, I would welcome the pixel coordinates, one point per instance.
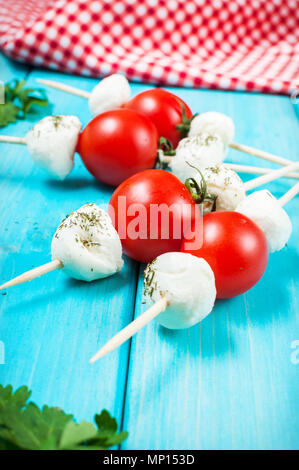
(228, 44)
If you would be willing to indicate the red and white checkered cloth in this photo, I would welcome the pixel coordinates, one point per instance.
(228, 44)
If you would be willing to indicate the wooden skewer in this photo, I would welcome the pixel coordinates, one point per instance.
(289, 195)
(164, 158)
(242, 148)
(63, 87)
(256, 170)
(254, 183)
(33, 273)
(132, 328)
(260, 153)
(239, 168)
(12, 139)
(162, 304)
(246, 168)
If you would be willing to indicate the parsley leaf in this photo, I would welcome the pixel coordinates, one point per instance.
(8, 113)
(73, 434)
(18, 101)
(18, 399)
(24, 425)
(105, 422)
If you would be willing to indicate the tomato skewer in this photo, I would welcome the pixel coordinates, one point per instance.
(101, 89)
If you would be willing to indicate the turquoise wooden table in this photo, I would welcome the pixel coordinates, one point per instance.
(230, 382)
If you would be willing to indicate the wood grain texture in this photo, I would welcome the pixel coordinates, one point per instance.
(226, 383)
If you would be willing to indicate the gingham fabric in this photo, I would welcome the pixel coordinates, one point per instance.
(230, 44)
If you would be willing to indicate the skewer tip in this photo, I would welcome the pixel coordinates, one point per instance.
(132, 328)
(33, 274)
(5, 285)
(97, 356)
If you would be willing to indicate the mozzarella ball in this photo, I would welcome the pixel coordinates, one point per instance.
(87, 244)
(214, 123)
(201, 151)
(112, 92)
(188, 283)
(264, 209)
(225, 184)
(52, 144)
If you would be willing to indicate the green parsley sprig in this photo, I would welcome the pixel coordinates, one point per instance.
(18, 101)
(23, 425)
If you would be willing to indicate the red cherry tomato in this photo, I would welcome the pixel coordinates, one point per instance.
(164, 109)
(117, 144)
(235, 248)
(145, 233)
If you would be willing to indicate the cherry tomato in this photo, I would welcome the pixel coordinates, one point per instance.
(164, 109)
(117, 144)
(235, 248)
(145, 232)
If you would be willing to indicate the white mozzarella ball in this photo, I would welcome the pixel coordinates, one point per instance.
(52, 144)
(87, 244)
(225, 184)
(112, 92)
(200, 151)
(214, 123)
(188, 283)
(264, 209)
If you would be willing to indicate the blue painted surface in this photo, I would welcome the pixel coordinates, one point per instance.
(228, 383)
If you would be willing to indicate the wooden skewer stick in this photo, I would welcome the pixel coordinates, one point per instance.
(272, 158)
(132, 328)
(289, 195)
(245, 168)
(254, 183)
(33, 273)
(256, 170)
(63, 87)
(242, 148)
(260, 153)
(239, 168)
(12, 139)
(161, 304)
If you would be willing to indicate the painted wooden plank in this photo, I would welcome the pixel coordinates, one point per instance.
(10, 69)
(228, 383)
(51, 326)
